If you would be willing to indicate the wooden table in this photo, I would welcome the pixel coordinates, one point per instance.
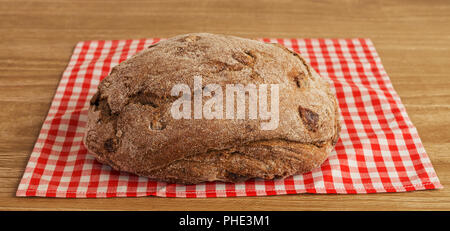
(37, 38)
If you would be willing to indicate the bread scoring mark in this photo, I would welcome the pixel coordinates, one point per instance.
(297, 76)
(155, 101)
(245, 58)
(255, 75)
(157, 125)
(109, 145)
(101, 105)
(321, 143)
(146, 99)
(248, 58)
(310, 119)
(251, 53)
(151, 99)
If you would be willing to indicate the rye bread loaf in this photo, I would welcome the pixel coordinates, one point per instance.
(131, 129)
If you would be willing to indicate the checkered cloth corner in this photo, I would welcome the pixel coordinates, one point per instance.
(379, 149)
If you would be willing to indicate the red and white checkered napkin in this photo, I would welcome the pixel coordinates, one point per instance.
(379, 149)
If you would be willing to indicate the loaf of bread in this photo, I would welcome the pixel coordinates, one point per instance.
(132, 128)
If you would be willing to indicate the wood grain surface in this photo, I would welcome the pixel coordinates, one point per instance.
(37, 38)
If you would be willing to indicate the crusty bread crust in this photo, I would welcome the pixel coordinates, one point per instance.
(131, 129)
